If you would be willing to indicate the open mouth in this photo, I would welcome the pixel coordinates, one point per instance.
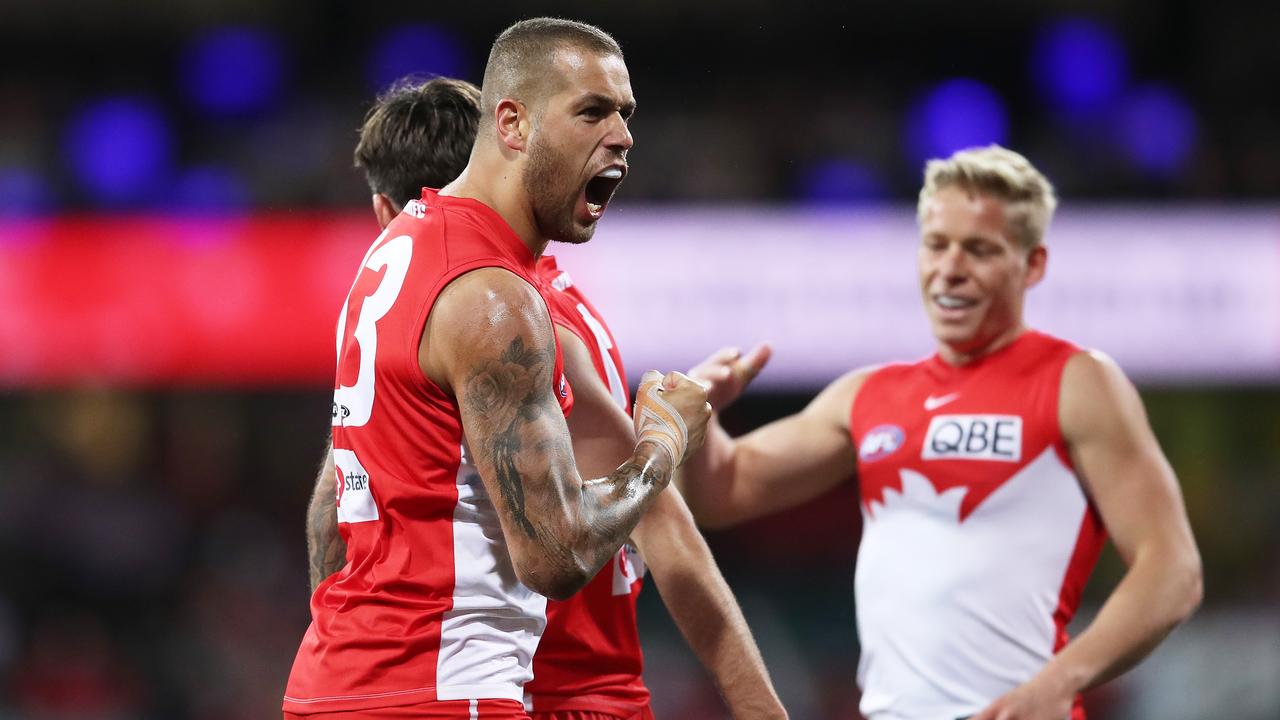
(601, 188)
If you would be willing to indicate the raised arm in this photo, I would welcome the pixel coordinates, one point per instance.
(1135, 490)
(694, 591)
(490, 343)
(778, 466)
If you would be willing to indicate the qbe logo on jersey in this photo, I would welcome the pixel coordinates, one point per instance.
(974, 437)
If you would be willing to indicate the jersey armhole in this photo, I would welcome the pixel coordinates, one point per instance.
(1060, 438)
(873, 372)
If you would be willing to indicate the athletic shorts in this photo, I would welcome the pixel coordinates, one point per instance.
(441, 710)
(646, 714)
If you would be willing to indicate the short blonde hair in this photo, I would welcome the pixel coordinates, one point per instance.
(1027, 194)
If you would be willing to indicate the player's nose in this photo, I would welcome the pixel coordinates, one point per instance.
(619, 138)
(952, 266)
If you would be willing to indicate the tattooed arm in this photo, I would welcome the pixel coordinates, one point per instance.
(325, 547)
(489, 342)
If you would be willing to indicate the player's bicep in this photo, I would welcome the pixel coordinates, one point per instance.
(1118, 457)
(494, 347)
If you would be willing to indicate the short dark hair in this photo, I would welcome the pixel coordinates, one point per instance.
(418, 134)
(521, 57)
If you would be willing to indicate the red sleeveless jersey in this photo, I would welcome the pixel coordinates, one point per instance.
(977, 535)
(428, 606)
(589, 658)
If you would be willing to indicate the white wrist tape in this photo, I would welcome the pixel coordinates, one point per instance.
(659, 422)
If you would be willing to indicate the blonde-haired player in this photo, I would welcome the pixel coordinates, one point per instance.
(989, 473)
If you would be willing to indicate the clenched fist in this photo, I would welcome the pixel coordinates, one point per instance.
(671, 411)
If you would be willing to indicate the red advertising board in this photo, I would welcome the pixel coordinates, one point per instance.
(191, 301)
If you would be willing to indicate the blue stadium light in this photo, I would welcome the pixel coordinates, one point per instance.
(232, 72)
(120, 149)
(414, 50)
(954, 115)
(23, 192)
(209, 189)
(1157, 130)
(1079, 67)
(840, 182)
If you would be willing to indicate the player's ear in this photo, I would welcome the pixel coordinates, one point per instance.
(384, 209)
(512, 120)
(1037, 259)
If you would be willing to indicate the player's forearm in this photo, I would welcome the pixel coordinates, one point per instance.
(325, 548)
(703, 607)
(707, 477)
(612, 506)
(1161, 589)
(559, 554)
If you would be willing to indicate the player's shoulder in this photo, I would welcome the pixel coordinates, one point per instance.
(483, 314)
(1092, 372)
(491, 295)
(839, 396)
(1097, 398)
(487, 305)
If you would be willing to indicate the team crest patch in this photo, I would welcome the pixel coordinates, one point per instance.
(880, 441)
(564, 386)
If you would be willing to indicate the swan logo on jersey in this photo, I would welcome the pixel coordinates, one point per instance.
(562, 282)
(880, 442)
(974, 437)
(416, 209)
(628, 568)
(564, 386)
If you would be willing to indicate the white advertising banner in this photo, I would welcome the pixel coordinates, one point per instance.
(1174, 294)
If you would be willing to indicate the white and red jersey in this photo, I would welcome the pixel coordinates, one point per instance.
(590, 658)
(977, 535)
(428, 607)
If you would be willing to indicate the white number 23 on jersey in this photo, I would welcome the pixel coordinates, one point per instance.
(353, 404)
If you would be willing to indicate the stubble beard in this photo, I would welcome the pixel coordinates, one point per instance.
(553, 202)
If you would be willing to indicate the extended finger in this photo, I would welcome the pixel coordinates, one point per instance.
(755, 360)
(725, 354)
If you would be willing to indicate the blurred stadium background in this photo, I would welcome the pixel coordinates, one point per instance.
(179, 221)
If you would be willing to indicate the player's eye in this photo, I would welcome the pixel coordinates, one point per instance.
(983, 249)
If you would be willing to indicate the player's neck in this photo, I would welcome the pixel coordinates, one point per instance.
(960, 355)
(499, 187)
